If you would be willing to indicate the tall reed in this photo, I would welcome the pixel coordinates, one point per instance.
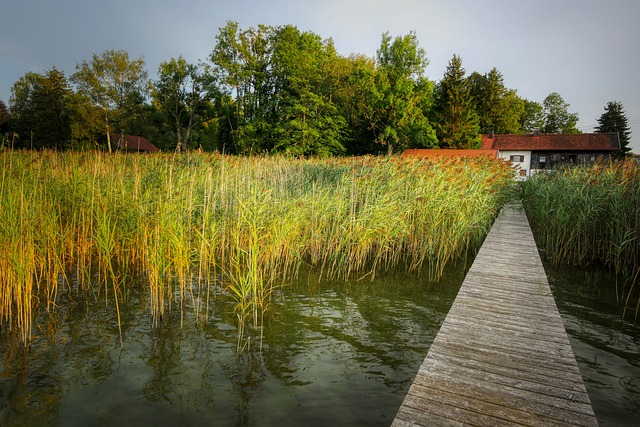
(590, 214)
(182, 224)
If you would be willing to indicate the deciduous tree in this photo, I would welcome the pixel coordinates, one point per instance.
(356, 82)
(186, 93)
(396, 95)
(117, 85)
(532, 118)
(557, 118)
(242, 60)
(306, 121)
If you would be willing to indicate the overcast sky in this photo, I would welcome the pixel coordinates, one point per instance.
(586, 50)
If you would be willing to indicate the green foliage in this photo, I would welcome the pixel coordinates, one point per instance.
(40, 106)
(614, 120)
(397, 94)
(270, 89)
(86, 122)
(532, 118)
(307, 121)
(186, 94)
(557, 118)
(115, 84)
(280, 82)
(589, 214)
(4, 113)
(499, 109)
(455, 118)
(241, 59)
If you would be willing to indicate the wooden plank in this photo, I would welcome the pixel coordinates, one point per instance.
(502, 355)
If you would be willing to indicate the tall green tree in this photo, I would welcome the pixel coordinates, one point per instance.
(532, 118)
(356, 82)
(614, 119)
(86, 122)
(21, 106)
(4, 124)
(40, 106)
(115, 84)
(186, 93)
(281, 82)
(242, 60)
(456, 120)
(305, 120)
(396, 95)
(4, 113)
(499, 109)
(557, 118)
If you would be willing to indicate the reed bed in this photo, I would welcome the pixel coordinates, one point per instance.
(590, 214)
(186, 226)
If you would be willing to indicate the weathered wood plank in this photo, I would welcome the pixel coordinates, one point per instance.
(502, 355)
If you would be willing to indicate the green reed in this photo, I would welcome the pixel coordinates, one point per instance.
(590, 214)
(186, 225)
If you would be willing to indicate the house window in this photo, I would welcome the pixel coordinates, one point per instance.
(517, 158)
(523, 172)
(543, 159)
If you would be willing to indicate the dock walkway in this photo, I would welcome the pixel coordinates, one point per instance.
(502, 355)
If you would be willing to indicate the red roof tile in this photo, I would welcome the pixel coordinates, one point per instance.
(133, 143)
(447, 152)
(553, 142)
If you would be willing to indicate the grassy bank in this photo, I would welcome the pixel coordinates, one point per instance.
(182, 225)
(590, 215)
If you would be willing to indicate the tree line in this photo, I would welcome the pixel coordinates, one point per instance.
(269, 89)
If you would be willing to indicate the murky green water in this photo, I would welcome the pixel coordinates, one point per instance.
(606, 348)
(332, 354)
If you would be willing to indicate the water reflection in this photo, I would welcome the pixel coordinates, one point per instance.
(606, 347)
(331, 353)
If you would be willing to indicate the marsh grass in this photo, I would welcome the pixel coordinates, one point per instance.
(184, 225)
(588, 215)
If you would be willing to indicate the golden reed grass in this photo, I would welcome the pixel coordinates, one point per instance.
(590, 214)
(186, 223)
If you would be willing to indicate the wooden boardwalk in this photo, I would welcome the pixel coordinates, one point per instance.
(502, 356)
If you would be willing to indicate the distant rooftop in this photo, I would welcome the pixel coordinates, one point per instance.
(552, 142)
(447, 152)
(133, 143)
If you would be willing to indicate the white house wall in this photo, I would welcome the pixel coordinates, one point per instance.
(523, 167)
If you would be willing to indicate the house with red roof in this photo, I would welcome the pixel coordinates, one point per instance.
(535, 153)
(134, 143)
(447, 152)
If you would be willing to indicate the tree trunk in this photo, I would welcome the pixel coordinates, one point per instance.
(108, 136)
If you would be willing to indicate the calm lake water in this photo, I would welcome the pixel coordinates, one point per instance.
(332, 353)
(606, 348)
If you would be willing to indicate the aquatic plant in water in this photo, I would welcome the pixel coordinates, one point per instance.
(185, 224)
(590, 214)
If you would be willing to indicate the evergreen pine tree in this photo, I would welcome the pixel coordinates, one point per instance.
(499, 109)
(4, 113)
(615, 120)
(52, 127)
(456, 120)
